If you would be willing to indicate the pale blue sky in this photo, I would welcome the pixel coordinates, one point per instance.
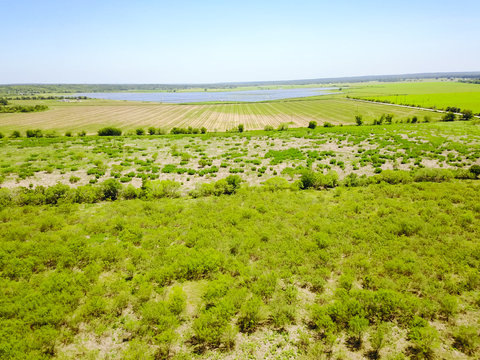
(146, 41)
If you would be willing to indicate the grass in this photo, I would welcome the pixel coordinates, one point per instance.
(439, 94)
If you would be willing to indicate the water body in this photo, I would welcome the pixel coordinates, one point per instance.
(202, 96)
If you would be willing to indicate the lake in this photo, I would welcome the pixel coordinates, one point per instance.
(202, 96)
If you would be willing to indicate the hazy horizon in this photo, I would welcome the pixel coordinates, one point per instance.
(186, 42)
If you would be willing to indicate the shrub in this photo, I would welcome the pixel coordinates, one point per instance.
(425, 340)
(15, 134)
(109, 131)
(466, 339)
(68, 134)
(161, 189)
(328, 125)
(432, 175)
(475, 170)
(276, 183)
(82, 133)
(268, 128)
(467, 115)
(249, 316)
(359, 120)
(378, 338)
(54, 193)
(312, 124)
(449, 116)
(177, 300)
(110, 189)
(282, 127)
(129, 192)
(74, 179)
(151, 131)
(394, 177)
(1, 135)
(209, 327)
(34, 133)
(356, 327)
(140, 131)
(240, 128)
(203, 130)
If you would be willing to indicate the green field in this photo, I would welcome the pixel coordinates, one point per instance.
(439, 94)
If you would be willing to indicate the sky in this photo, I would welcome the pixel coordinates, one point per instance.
(181, 41)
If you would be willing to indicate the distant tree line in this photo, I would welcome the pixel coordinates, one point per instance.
(6, 108)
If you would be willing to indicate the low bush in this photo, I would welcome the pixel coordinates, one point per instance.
(109, 131)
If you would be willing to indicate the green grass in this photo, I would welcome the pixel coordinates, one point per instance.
(440, 94)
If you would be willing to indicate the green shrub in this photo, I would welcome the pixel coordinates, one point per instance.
(268, 128)
(466, 339)
(449, 116)
(54, 193)
(110, 189)
(109, 131)
(139, 131)
(276, 183)
(241, 128)
(359, 120)
(176, 300)
(475, 170)
(161, 189)
(249, 316)
(312, 124)
(378, 338)
(425, 340)
(34, 133)
(328, 124)
(15, 134)
(209, 327)
(432, 175)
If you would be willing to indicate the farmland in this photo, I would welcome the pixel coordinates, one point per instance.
(439, 94)
(90, 115)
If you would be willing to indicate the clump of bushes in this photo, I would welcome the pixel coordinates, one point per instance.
(109, 131)
(189, 130)
(34, 133)
(226, 186)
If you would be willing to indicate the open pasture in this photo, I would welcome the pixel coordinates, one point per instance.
(438, 94)
(90, 115)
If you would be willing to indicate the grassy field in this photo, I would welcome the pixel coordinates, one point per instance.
(90, 115)
(439, 94)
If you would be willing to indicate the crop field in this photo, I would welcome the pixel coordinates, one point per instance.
(439, 94)
(91, 115)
